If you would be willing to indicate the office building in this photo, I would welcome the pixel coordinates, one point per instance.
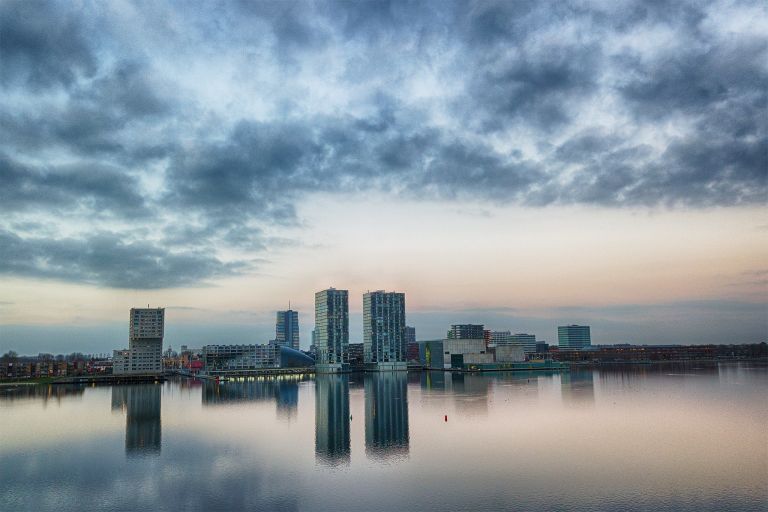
(573, 337)
(500, 338)
(287, 329)
(331, 330)
(145, 344)
(410, 334)
(527, 341)
(384, 343)
(466, 332)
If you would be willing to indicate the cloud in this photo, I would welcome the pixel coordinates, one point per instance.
(43, 45)
(206, 129)
(106, 259)
(95, 185)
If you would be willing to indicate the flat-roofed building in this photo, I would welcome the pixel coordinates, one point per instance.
(384, 342)
(459, 352)
(499, 338)
(331, 330)
(527, 341)
(145, 344)
(466, 332)
(573, 337)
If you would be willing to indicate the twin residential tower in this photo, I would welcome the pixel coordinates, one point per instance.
(384, 330)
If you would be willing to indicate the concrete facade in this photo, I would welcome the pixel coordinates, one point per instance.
(145, 344)
(510, 354)
(458, 352)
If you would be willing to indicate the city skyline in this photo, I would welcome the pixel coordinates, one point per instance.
(517, 165)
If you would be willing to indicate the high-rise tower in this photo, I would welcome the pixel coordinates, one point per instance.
(331, 329)
(384, 345)
(287, 329)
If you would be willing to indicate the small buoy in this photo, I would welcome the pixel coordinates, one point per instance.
(446, 417)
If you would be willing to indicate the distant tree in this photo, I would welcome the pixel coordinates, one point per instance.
(9, 358)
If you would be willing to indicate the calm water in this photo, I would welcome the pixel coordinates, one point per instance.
(634, 438)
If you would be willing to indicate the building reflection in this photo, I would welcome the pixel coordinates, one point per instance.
(46, 393)
(332, 419)
(143, 429)
(386, 414)
(282, 390)
(577, 386)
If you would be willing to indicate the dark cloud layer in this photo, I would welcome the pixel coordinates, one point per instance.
(98, 125)
(106, 259)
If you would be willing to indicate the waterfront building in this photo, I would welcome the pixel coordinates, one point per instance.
(145, 344)
(527, 341)
(466, 332)
(355, 356)
(410, 334)
(458, 352)
(287, 329)
(331, 329)
(509, 354)
(542, 347)
(384, 343)
(219, 359)
(431, 354)
(573, 337)
(386, 415)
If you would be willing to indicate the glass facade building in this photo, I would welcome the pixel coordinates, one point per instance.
(573, 336)
(287, 329)
(331, 326)
(527, 341)
(384, 329)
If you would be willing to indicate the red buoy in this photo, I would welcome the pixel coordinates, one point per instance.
(446, 417)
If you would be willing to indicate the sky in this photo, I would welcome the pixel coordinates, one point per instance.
(519, 164)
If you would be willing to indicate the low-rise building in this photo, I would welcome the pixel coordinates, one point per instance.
(460, 352)
(509, 354)
(239, 358)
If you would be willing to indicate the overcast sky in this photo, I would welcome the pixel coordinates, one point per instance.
(521, 164)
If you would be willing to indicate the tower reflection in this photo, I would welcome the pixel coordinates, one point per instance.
(577, 386)
(386, 414)
(332, 419)
(142, 405)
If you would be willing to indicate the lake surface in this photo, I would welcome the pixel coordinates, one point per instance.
(646, 437)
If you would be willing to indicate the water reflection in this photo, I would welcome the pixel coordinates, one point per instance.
(284, 391)
(332, 419)
(386, 414)
(44, 393)
(578, 386)
(143, 428)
